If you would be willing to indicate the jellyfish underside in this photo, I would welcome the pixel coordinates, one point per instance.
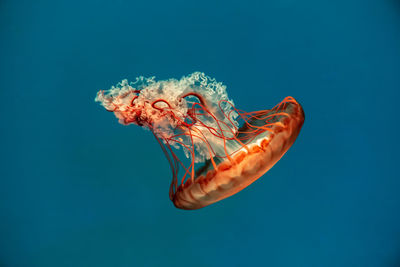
(226, 149)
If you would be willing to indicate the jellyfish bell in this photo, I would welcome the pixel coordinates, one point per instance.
(248, 164)
(224, 149)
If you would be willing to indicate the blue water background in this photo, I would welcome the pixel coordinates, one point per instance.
(79, 189)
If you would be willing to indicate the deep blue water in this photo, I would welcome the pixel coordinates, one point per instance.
(79, 189)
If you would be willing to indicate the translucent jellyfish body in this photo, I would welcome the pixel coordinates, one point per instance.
(223, 149)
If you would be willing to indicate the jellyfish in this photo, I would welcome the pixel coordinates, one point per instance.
(214, 149)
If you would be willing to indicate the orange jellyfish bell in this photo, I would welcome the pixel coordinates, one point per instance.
(223, 149)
